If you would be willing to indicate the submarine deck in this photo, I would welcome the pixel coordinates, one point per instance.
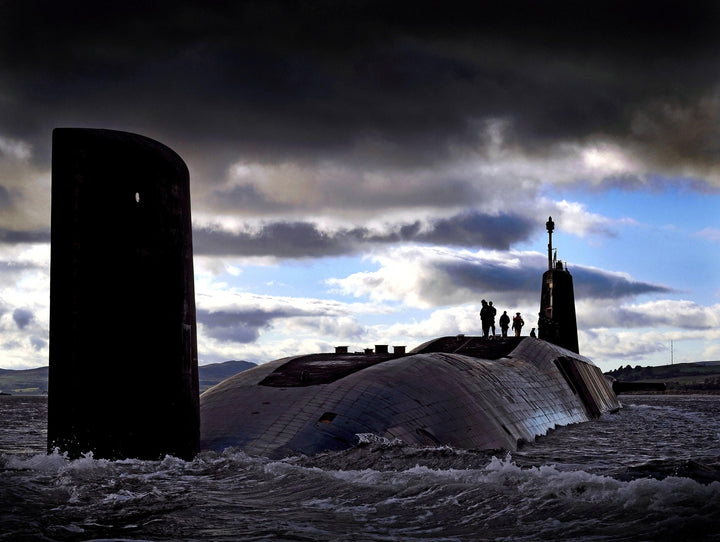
(316, 369)
(467, 392)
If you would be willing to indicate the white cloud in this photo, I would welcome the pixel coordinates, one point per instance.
(24, 306)
(426, 277)
(608, 159)
(15, 149)
(680, 314)
(710, 234)
(574, 218)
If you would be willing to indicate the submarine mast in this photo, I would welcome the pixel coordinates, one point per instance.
(123, 380)
(550, 225)
(557, 322)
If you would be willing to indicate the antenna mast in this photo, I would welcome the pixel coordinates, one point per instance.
(550, 225)
(672, 353)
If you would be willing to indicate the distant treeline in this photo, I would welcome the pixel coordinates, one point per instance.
(701, 377)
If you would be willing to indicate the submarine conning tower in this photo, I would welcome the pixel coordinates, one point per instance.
(557, 322)
(123, 380)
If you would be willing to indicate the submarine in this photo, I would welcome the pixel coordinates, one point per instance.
(472, 392)
(121, 223)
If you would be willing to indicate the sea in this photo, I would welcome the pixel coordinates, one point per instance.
(648, 472)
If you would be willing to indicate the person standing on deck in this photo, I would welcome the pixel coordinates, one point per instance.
(504, 323)
(518, 323)
(485, 317)
(493, 312)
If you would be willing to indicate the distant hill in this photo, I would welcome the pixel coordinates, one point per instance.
(698, 377)
(212, 374)
(35, 381)
(27, 382)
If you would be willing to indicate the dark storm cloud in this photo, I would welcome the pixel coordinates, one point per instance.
(281, 239)
(651, 183)
(14, 237)
(489, 277)
(22, 317)
(479, 230)
(244, 197)
(495, 277)
(597, 284)
(305, 240)
(308, 78)
(242, 326)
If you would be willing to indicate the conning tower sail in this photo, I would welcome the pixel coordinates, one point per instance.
(557, 323)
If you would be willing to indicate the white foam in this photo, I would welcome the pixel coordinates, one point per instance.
(40, 462)
(372, 438)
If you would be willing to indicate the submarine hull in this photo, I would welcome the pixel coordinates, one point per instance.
(466, 392)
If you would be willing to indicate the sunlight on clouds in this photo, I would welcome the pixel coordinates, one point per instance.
(395, 283)
(462, 319)
(494, 178)
(574, 218)
(607, 159)
(426, 277)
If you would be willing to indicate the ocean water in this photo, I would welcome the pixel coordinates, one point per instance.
(649, 472)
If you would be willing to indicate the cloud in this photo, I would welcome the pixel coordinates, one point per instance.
(228, 316)
(241, 326)
(434, 277)
(281, 239)
(272, 78)
(594, 283)
(711, 234)
(14, 149)
(5, 199)
(677, 314)
(305, 239)
(13, 267)
(320, 129)
(24, 190)
(12, 237)
(612, 348)
(22, 317)
(38, 343)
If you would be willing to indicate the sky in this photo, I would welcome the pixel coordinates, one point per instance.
(367, 172)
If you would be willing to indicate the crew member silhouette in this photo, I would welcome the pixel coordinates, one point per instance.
(504, 323)
(485, 317)
(518, 323)
(493, 312)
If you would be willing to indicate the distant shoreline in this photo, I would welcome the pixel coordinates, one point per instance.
(34, 382)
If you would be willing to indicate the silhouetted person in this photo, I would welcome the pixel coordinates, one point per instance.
(493, 312)
(532, 333)
(486, 317)
(504, 323)
(518, 323)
